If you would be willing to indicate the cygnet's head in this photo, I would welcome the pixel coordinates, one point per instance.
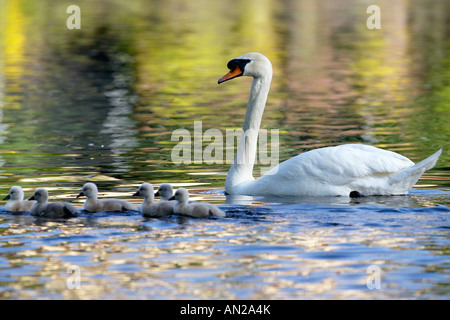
(89, 190)
(182, 195)
(15, 193)
(40, 195)
(165, 191)
(145, 190)
(251, 64)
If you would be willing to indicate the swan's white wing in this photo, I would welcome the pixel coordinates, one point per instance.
(334, 167)
(343, 164)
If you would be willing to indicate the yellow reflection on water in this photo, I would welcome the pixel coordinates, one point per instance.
(12, 49)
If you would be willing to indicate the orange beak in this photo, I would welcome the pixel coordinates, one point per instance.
(231, 75)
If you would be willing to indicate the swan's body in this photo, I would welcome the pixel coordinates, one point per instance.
(16, 202)
(165, 191)
(93, 205)
(330, 171)
(150, 208)
(194, 209)
(42, 208)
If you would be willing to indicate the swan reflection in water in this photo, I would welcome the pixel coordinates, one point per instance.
(388, 201)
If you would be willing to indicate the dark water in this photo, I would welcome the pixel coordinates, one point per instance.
(101, 104)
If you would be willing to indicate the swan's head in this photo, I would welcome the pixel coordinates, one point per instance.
(15, 193)
(89, 190)
(145, 190)
(181, 195)
(251, 64)
(40, 195)
(165, 191)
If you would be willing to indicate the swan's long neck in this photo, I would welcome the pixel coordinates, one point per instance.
(242, 168)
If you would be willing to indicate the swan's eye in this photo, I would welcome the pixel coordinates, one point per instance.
(241, 63)
(232, 64)
(236, 67)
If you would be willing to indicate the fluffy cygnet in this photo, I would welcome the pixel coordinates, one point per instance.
(92, 205)
(43, 208)
(165, 191)
(150, 208)
(16, 202)
(195, 209)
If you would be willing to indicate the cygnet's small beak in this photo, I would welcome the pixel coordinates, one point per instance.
(157, 194)
(7, 197)
(137, 194)
(172, 198)
(32, 197)
(80, 195)
(231, 75)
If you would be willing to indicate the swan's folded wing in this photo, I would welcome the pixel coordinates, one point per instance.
(342, 164)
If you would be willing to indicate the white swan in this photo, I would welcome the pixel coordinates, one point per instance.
(345, 170)
(42, 208)
(149, 207)
(165, 191)
(194, 209)
(93, 205)
(16, 202)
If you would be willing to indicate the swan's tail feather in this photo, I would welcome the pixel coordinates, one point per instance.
(407, 178)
